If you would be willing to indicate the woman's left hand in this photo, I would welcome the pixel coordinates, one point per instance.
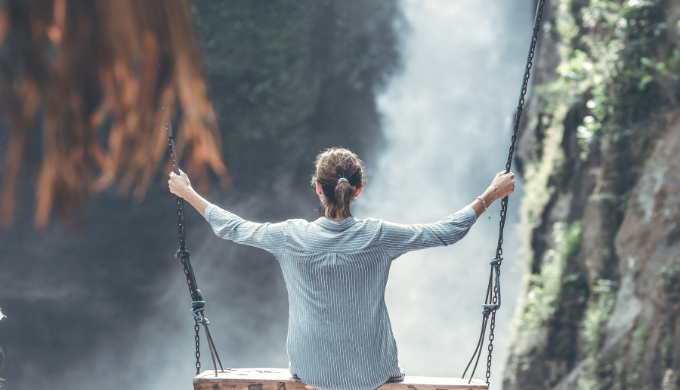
(180, 185)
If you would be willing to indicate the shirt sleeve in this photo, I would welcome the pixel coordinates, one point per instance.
(268, 236)
(397, 239)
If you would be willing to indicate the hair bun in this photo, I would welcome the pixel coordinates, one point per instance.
(334, 166)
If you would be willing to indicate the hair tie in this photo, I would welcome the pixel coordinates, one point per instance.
(340, 180)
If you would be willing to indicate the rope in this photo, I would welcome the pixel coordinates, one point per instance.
(492, 302)
(197, 304)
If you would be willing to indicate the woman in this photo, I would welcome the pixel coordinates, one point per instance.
(336, 269)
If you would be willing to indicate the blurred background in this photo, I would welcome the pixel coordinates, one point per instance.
(425, 92)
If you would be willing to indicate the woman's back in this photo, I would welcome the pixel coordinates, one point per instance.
(339, 331)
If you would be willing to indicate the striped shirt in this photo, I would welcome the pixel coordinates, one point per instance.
(339, 332)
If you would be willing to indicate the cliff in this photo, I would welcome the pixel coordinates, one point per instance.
(599, 153)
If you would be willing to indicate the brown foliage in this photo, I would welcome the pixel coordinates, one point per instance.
(127, 64)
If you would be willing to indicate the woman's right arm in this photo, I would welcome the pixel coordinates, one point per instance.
(229, 226)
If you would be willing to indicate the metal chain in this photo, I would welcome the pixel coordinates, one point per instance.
(492, 302)
(193, 294)
(198, 304)
(197, 328)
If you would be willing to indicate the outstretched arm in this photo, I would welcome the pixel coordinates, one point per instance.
(228, 226)
(181, 186)
(397, 239)
(501, 186)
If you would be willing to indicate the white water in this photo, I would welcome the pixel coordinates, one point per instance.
(447, 120)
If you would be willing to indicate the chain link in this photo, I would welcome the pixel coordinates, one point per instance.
(493, 291)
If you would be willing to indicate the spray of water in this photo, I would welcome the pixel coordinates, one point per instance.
(447, 119)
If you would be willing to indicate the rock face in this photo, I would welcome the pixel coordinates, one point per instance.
(648, 247)
(600, 153)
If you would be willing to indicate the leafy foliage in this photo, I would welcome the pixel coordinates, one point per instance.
(290, 78)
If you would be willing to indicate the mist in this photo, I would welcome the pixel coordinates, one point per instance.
(448, 121)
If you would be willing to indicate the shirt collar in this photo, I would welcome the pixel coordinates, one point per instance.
(336, 226)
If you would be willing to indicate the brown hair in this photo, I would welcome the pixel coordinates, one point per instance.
(332, 165)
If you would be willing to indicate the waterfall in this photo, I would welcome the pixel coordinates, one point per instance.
(447, 119)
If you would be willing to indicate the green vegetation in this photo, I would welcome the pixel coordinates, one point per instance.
(670, 280)
(615, 59)
(618, 72)
(544, 289)
(620, 56)
(289, 78)
(618, 63)
(633, 378)
(259, 66)
(603, 297)
(537, 175)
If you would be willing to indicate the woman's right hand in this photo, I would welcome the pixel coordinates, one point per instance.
(501, 186)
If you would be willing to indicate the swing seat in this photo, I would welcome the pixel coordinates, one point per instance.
(280, 379)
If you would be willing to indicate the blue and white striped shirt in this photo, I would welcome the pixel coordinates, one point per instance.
(339, 332)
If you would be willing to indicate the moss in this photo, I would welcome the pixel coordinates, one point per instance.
(633, 378)
(619, 56)
(669, 276)
(537, 175)
(597, 374)
(603, 297)
(586, 383)
(545, 287)
(670, 280)
(666, 350)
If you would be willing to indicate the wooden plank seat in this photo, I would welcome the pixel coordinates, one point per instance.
(280, 379)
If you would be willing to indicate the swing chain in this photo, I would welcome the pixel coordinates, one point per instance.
(508, 165)
(198, 304)
(493, 292)
(497, 304)
(490, 348)
(183, 255)
(197, 328)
